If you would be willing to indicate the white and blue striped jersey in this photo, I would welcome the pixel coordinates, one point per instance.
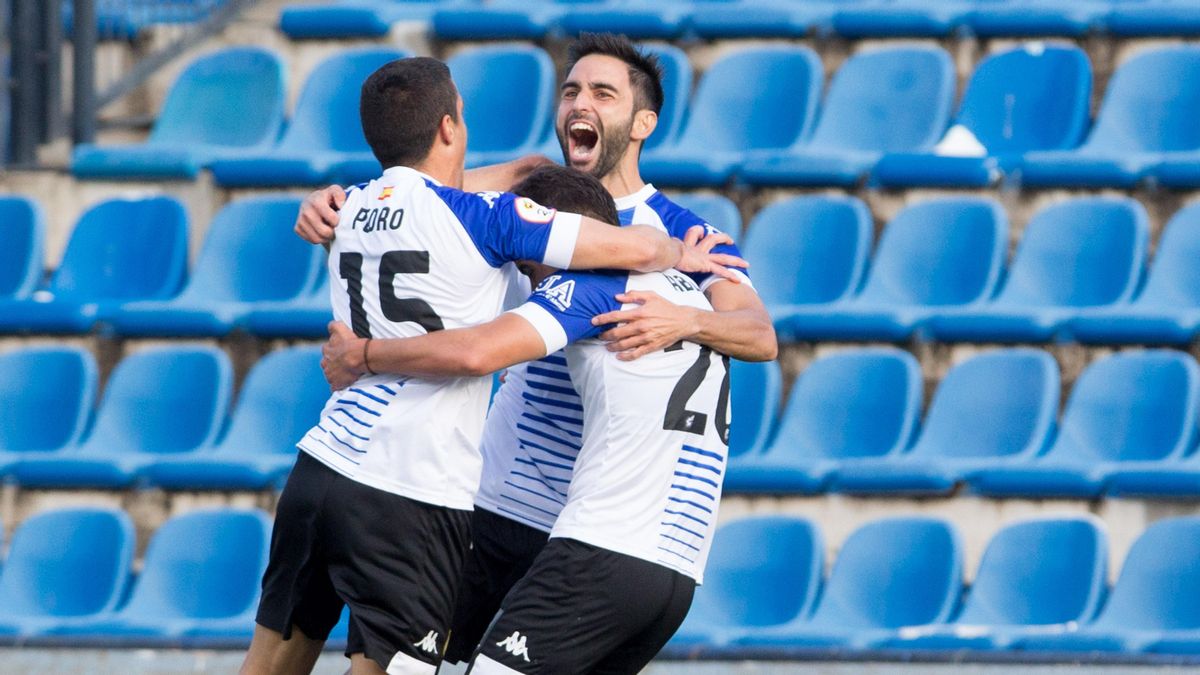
(532, 433)
(653, 441)
(410, 256)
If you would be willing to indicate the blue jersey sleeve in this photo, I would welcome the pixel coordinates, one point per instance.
(562, 306)
(677, 220)
(505, 227)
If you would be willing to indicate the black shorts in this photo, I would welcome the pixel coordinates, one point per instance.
(502, 551)
(584, 609)
(395, 561)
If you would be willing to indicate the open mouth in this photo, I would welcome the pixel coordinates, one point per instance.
(582, 141)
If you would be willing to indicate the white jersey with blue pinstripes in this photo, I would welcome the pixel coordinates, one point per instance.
(411, 256)
(651, 449)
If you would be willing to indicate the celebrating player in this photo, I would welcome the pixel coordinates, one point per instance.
(617, 576)
(376, 511)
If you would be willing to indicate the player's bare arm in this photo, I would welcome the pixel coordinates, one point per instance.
(644, 249)
(501, 177)
(457, 352)
(739, 327)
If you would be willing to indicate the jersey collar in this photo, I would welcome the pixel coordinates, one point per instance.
(639, 197)
(397, 172)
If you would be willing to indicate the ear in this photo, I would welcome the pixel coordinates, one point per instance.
(447, 130)
(644, 123)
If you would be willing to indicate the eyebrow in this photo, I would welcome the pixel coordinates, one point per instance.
(594, 85)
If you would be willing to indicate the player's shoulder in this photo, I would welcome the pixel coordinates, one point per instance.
(591, 288)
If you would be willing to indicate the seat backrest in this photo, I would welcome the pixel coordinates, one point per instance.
(1159, 581)
(754, 392)
(508, 95)
(755, 98)
(940, 252)
(894, 99)
(856, 403)
(165, 399)
(69, 562)
(716, 210)
(280, 399)
(23, 233)
(125, 249)
(762, 571)
(1131, 406)
(231, 98)
(1001, 403)
(1033, 97)
(677, 89)
(46, 397)
(243, 235)
(891, 573)
(1039, 572)
(809, 249)
(1148, 105)
(203, 565)
(1077, 253)
(326, 115)
(1174, 277)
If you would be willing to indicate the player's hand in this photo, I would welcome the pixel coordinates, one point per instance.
(319, 215)
(342, 357)
(698, 257)
(653, 325)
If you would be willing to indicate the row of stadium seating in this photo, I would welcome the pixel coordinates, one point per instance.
(126, 19)
(687, 19)
(757, 117)
(853, 424)
(896, 585)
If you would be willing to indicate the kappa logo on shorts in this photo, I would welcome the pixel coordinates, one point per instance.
(429, 643)
(515, 644)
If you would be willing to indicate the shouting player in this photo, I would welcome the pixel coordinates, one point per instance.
(376, 511)
(617, 576)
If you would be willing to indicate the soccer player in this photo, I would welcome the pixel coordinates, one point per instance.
(376, 511)
(617, 576)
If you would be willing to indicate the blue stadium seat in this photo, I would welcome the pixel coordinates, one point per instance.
(997, 408)
(46, 398)
(1085, 252)
(1143, 120)
(508, 100)
(938, 254)
(1153, 17)
(895, 99)
(1167, 310)
(1033, 97)
(844, 408)
(716, 210)
(230, 279)
(23, 232)
(1132, 409)
(753, 99)
(755, 389)
(499, 19)
(280, 401)
(1151, 600)
(1036, 576)
(64, 566)
(662, 20)
(1023, 18)
(910, 18)
(200, 580)
(222, 105)
(126, 19)
(808, 251)
(144, 412)
(307, 317)
(357, 18)
(763, 571)
(324, 130)
(890, 574)
(120, 250)
(763, 18)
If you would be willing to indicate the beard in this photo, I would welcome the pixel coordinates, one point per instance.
(614, 144)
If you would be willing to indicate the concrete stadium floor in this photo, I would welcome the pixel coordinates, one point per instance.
(171, 662)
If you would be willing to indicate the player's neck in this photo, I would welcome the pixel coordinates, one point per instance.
(624, 179)
(444, 171)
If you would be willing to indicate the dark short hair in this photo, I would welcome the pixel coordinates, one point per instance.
(571, 190)
(401, 106)
(645, 70)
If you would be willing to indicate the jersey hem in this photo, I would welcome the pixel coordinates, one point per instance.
(467, 504)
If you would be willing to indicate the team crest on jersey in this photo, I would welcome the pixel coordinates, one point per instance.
(386, 193)
(532, 212)
(559, 294)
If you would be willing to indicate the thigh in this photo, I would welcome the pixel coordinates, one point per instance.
(635, 653)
